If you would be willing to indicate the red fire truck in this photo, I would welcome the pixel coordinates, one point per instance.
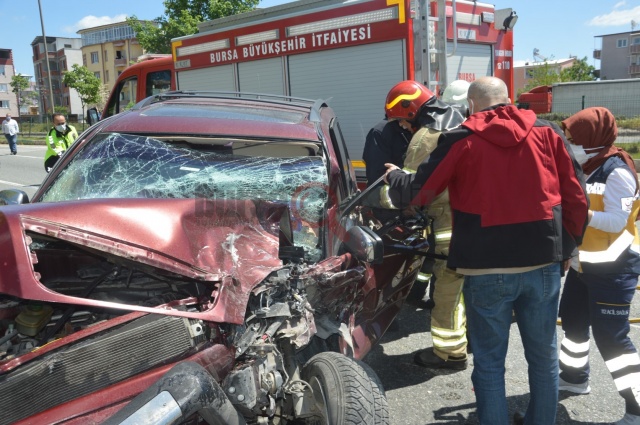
(348, 52)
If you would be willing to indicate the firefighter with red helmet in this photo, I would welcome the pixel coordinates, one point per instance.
(418, 110)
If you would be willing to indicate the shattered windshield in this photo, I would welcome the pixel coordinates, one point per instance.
(130, 166)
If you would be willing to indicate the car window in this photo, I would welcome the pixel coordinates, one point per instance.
(158, 82)
(130, 166)
(123, 97)
(348, 184)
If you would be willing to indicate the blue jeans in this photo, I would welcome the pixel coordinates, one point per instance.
(490, 301)
(13, 141)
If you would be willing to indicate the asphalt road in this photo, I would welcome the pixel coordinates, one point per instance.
(417, 396)
(24, 171)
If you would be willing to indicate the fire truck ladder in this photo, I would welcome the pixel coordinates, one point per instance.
(433, 42)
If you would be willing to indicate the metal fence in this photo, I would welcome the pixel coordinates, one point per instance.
(623, 106)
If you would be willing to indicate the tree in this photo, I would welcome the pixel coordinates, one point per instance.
(181, 17)
(540, 75)
(579, 71)
(85, 83)
(19, 83)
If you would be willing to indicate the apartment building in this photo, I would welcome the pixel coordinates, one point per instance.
(8, 100)
(619, 55)
(108, 49)
(523, 70)
(63, 54)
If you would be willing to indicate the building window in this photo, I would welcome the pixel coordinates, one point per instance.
(622, 42)
(84, 60)
(68, 46)
(94, 57)
(4, 104)
(106, 56)
(635, 41)
(97, 74)
(2, 72)
(3, 88)
(106, 76)
(119, 54)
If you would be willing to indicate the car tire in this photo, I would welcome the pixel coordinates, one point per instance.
(342, 390)
(380, 404)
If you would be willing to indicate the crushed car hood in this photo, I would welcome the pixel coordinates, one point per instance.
(222, 242)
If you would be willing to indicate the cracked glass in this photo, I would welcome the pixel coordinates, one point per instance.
(130, 166)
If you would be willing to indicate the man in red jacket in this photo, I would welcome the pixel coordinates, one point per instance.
(519, 210)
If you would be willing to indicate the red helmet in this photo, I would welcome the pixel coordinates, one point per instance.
(405, 99)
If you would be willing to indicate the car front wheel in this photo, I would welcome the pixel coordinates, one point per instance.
(344, 392)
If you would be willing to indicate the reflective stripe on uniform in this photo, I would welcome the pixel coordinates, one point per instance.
(579, 349)
(623, 361)
(575, 347)
(447, 338)
(611, 253)
(385, 199)
(441, 236)
(423, 277)
(627, 381)
(577, 362)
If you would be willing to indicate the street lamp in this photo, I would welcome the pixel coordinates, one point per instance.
(46, 54)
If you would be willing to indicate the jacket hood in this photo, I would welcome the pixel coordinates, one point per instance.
(440, 115)
(502, 125)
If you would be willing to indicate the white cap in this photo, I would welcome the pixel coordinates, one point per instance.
(456, 92)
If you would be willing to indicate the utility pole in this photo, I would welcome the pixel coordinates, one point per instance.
(46, 54)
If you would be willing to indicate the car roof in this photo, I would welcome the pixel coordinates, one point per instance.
(225, 115)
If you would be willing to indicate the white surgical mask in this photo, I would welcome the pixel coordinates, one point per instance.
(61, 128)
(581, 155)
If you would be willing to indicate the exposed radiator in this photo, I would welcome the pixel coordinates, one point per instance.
(92, 364)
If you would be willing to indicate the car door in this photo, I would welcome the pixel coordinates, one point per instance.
(384, 286)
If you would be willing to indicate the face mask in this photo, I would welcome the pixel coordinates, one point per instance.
(61, 128)
(581, 155)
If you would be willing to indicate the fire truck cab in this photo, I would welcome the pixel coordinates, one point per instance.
(348, 52)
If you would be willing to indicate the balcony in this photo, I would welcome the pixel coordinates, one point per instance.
(120, 61)
(597, 54)
(634, 48)
(634, 70)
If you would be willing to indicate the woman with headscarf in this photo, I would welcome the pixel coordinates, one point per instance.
(602, 280)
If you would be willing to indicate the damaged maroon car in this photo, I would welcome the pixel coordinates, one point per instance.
(202, 258)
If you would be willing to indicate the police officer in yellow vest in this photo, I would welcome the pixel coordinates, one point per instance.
(59, 138)
(602, 281)
(448, 319)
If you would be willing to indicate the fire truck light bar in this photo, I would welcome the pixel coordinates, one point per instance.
(203, 47)
(347, 21)
(257, 37)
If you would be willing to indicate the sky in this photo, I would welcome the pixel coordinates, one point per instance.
(558, 29)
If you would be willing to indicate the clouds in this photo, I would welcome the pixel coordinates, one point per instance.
(91, 21)
(617, 17)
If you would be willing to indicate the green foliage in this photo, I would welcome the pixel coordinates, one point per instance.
(181, 17)
(84, 82)
(540, 75)
(19, 84)
(579, 71)
(62, 110)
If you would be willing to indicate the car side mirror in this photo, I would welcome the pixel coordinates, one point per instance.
(13, 197)
(364, 244)
(92, 116)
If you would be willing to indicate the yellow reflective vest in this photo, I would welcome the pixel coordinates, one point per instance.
(605, 252)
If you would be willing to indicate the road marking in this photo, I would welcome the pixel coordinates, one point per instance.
(19, 184)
